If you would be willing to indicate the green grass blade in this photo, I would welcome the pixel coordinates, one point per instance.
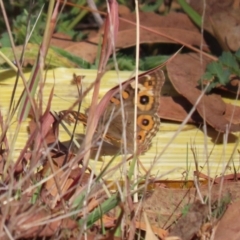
(98, 213)
(196, 18)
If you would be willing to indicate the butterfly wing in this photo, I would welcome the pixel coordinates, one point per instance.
(148, 122)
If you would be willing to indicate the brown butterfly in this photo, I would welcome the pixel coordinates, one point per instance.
(148, 121)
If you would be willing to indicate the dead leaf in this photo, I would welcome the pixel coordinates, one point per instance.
(108, 221)
(163, 206)
(25, 220)
(230, 177)
(122, 9)
(228, 227)
(184, 78)
(189, 225)
(232, 113)
(175, 25)
(222, 20)
(177, 109)
(212, 6)
(156, 230)
(60, 40)
(32, 226)
(149, 233)
(86, 49)
(50, 188)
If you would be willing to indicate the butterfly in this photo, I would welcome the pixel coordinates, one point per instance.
(148, 122)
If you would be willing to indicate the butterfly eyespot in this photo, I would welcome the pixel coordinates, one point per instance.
(148, 99)
(145, 122)
(144, 100)
(141, 136)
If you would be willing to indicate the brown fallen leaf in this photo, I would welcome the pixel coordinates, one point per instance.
(177, 109)
(184, 78)
(230, 177)
(122, 9)
(232, 113)
(189, 225)
(163, 206)
(86, 49)
(108, 221)
(25, 220)
(57, 185)
(149, 232)
(45, 133)
(175, 25)
(228, 227)
(156, 230)
(222, 20)
(60, 40)
(32, 226)
(231, 87)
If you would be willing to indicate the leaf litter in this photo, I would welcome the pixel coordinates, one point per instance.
(162, 208)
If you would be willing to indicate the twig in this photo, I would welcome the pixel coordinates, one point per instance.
(95, 14)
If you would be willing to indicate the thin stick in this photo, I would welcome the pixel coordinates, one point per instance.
(135, 197)
(96, 15)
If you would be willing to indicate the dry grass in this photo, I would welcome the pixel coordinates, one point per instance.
(50, 190)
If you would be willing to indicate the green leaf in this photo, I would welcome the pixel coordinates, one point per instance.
(152, 61)
(154, 6)
(72, 58)
(196, 18)
(237, 54)
(20, 27)
(229, 61)
(4, 40)
(98, 213)
(124, 62)
(216, 69)
(207, 76)
(185, 210)
(225, 76)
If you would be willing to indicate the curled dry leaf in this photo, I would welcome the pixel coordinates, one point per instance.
(163, 209)
(149, 232)
(189, 225)
(222, 20)
(60, 178)
(175, 25)
(177, 109)
(153, 230)
(33, 227)
(228, 227)
(184, 78)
